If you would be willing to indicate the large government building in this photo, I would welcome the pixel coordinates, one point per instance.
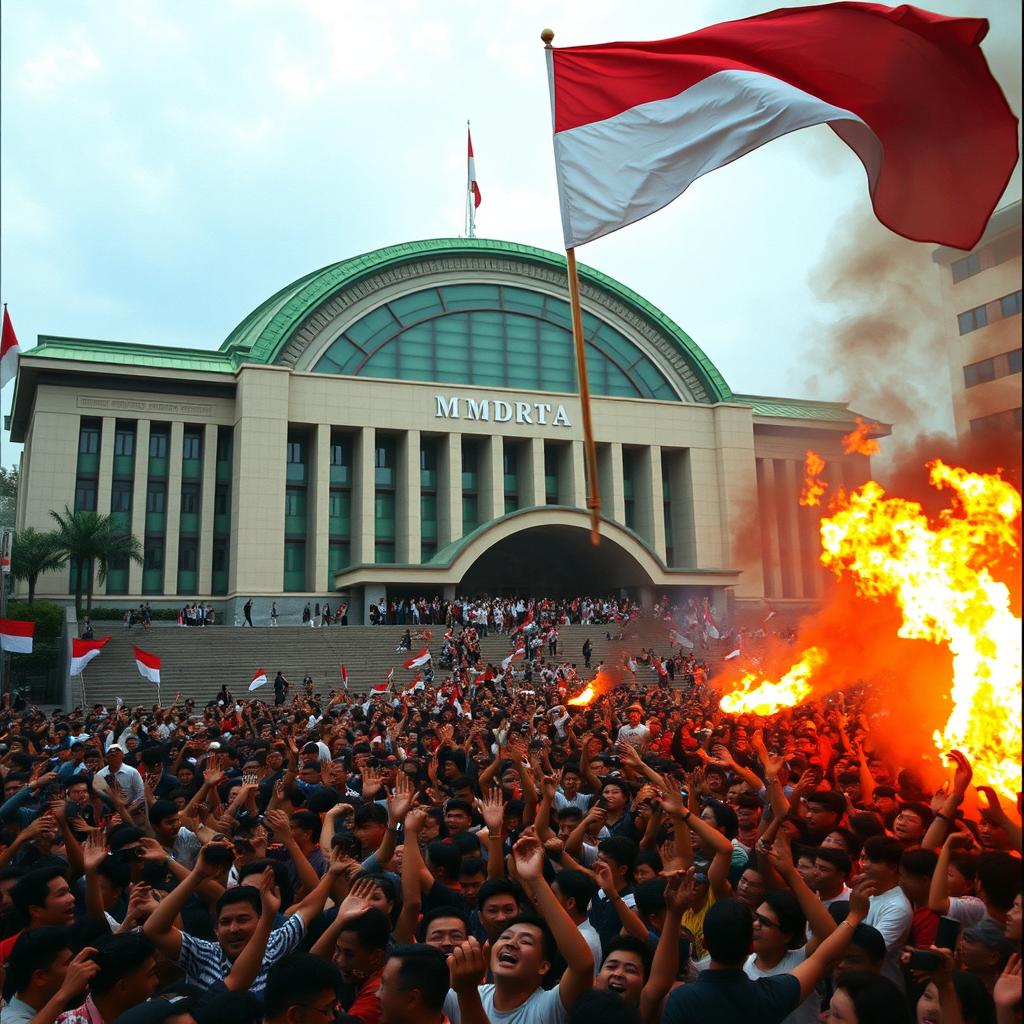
(406, 422)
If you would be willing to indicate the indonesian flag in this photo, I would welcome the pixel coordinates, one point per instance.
(417, 684)
(517, 655)
(455, 700)
(344, 676)
(420, 659)
(910, 92)
(148, 665)
(10, 352)
(528, 621)
(258, 680)
(710, 626)
(15, 635)
(380, 688)
(83, 651)
(471, 178)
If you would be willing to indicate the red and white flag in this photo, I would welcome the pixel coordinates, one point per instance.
(384, 687)
(471, 172)
(420, 659)
(258, 680)
(16, 636)
(344, 676)
(455, 700)
(10, 352)
(417, 684)
(517, 655)
(910, 92)
(148, 665)
(83, 651)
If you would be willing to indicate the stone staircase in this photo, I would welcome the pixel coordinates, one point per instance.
(196, 662)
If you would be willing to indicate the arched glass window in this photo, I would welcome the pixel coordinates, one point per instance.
(491, 335)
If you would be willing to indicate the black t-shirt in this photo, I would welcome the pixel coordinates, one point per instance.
(728, 996)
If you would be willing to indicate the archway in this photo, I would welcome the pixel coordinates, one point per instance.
(556, 560)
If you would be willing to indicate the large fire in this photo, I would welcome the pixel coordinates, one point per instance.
(757, 696)
(814, 486)
(586, 696)
(857, 441)
(939, 574)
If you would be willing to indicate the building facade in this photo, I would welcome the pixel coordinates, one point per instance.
(406, 422)
(981, 302)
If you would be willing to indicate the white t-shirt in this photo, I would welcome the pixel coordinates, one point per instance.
(589, 932)
(968, 910)
(541, 1008)
(807, 1012)
(892, 915)
(635, 735)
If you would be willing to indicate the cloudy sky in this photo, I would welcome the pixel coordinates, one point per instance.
(164, 167)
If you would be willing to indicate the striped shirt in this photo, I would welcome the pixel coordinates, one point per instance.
(205, 963)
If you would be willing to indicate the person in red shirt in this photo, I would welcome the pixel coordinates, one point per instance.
(42, 898)
(360, 954)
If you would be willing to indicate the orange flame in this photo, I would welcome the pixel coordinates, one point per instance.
(939, 575)
(857, 441)
(814, 486)
(756, 696)
(586, 696)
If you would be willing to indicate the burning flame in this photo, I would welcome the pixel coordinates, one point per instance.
(757, 696)
(938, 574)
(939, 577)
(857, 441)
(586, 696)
(814, 486)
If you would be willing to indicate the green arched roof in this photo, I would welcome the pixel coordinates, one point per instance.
(262, 335)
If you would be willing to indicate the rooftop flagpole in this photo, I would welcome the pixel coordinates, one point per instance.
(470, 196)
(589, 447)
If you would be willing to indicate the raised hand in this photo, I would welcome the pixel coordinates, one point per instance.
(993, 812)
(493, 809)
(279, 823)
(400, 804)
(466, 965)
(94, 851)
(1007, 992)
(860, 898)
(414, 821)
(82, 969)
(269, 895)
(372, 783)
(963, 774)
(359, 899)
(528, 854)
(141, 902)
(680, 889)
(781, 854)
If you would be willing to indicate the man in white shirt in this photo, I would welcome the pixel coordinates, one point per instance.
(574, 890)
(635, 733)
(891, 913)
(128, 780)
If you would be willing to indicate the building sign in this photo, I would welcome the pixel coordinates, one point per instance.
(497, 410)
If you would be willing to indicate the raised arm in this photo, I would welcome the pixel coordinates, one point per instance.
(821, 922)
(665, 968)
(938, 891)
(493, 809)
(307, 875)
(357, 902)
(247, 964)
(628, 918)
(941, 824)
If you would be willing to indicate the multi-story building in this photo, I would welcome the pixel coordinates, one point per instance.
(981, 297)
(406, 421)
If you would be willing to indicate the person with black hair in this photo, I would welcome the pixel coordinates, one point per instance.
(179, 842)
(575, 890)
(498, 902)
(862, 998)
(301, 989)
(606, 1007)
(444, 928)
(41, 898)
(830, 875)
(126, 977)
(43, 975)
(413, 985)
(891, 912)
(360, 951)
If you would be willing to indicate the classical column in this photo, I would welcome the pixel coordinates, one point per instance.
(491, 478)
(680, 482)
(772, 555)
(789, 485)
(104, 481)
(173, 521)
(572, 483)
(259, 454)
(318, 497)
(531, 474)
(140, 491)
(407, 498)
(207, 507)
(609, 469)
(449, 489)
(650, 498)
(364, 493)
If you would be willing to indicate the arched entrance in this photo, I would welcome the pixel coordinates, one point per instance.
(554, 559)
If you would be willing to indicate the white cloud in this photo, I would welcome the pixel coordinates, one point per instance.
(56, 65)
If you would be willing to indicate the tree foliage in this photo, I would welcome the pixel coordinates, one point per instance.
(35, 552)
(8, 495)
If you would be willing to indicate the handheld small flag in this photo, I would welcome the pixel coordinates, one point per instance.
(344, 676)
(258, 680)
(381, 688)
(148, 665)
(516, 655)
(16, 636)
(83, 651)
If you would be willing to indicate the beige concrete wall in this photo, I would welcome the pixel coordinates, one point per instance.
(408, 519)
(364, 493)
(140, 488)
(318, 507)
(204, 577)
(173, 536)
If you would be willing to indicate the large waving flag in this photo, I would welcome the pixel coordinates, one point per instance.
(382, 688)
(10, 351)
(908, 91)
(16, 636)
(517, 655)
(420, 659)
(259, 679)
(83, 651)
(148, 665)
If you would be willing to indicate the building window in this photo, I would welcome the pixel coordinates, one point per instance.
(1013, 361)
(153, 554)
(967, 267)
(221, 500)
(156, 499)
(295, 502)
(341, 453)
(121, 496)
(124, 442)
(191, 445)
(158, 445)
(979, 373)
(972, 319)
(88, 440)
(85, 496)
(223, 444)
(189, 499)
(1010, 304)
(1007, 420)
(294, 453)
(187, 553)
(220, 556)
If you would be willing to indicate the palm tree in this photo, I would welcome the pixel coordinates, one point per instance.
(35, 552)
(88, 539)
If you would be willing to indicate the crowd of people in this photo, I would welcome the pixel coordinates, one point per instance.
(481, 850)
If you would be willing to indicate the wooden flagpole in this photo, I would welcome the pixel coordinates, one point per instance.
(589, 447)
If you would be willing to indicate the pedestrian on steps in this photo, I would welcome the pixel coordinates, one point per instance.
(247, 612)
